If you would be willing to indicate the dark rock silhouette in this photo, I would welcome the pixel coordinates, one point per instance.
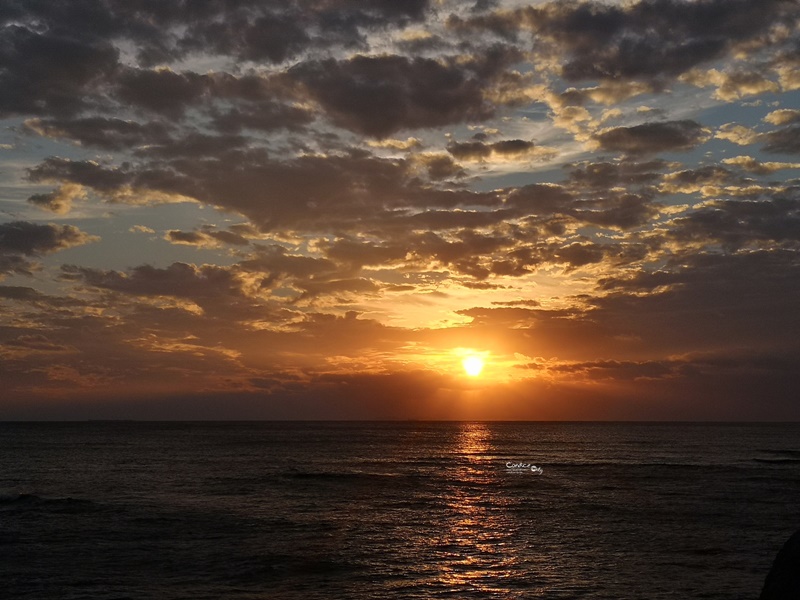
(783, 579)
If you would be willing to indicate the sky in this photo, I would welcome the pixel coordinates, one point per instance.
(318, 209)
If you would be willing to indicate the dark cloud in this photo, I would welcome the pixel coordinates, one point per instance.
(220, 292)
(538, 199)
(651, 138)
(611, 209)
(359, 254)
(680, 314)
(33, 239)
(277, 31)
(479, 150)
(502, 23)
(652, 39)
(87, 173)
(269, 37)
(623, 211)
(736, 224)
(685, 369)
(691, 304)
(616, 370)
(20, 240)
(51, 74)
(692, 179)
(179, 280)
(274, 264)
(785, 140)
(257, 30)
(194, 145)
(380, 95)
(442, 220)
(441, 166)
(162, 91)
(608, 175)
(579, 255)
(37, 342)
(105, 133)
(470, 150)
(309, 191)
(207, 236)
(263, 116)
(15, 264)
(190, 238)
(342, 290)
(15, 292)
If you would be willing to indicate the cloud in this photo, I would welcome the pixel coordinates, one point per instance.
(266, 115)
(207, 237)
(750, 164)
(698, 296)
(732, 86)
(613, 209)
(689, 181)
(179, 280)
(439, 166)
(162, 91)
(275, 32)
(274, 264)
(410, 143)
(194, 145)
(784, 116)
(270, 37)
(381, 95)
(33, 239)
(37, 343)
(737, 134)
(310, 192)
(606, 175)
(648, 40)
(785, 140)
(247, 31)
(87, 173)
(504, 149)
(650, 138)
(60, 200)
(366, 183)
(20, 240)
(579, 255)
(737, 224)
(105, 133)
(43, 73)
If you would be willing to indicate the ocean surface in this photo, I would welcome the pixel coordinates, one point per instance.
(116, 510)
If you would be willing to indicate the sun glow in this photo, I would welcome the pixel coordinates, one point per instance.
(473, 365)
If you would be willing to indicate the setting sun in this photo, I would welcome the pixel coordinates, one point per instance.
(473, 365)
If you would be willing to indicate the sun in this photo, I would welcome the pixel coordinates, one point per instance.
(473, 365)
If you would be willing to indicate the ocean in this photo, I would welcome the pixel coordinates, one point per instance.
(363, 510)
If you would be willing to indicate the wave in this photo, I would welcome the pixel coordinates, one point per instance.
(19, 500)
(346, 475)
(781, 451)
(631, 464)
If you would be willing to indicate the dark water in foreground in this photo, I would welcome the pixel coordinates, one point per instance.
(393, 510)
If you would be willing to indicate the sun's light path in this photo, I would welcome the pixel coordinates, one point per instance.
(473, 365)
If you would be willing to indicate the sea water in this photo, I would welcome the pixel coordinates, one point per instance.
(346, 510)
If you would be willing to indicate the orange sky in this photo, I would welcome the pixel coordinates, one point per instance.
(319, 209)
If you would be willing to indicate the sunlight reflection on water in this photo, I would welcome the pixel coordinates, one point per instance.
(304, 511)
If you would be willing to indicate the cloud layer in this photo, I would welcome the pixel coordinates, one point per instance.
(327, 204)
